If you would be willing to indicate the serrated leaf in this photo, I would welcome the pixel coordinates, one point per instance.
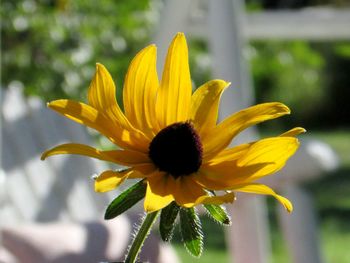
(191, 231)
(167, 221)
(126, 200)
(218, 213)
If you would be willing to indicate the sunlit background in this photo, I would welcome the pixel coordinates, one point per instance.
(49, 50)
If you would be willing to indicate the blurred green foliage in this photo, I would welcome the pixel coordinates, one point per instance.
(290, 72)
(311, 78)
(51, 47)
(200, 61)
(343, 49)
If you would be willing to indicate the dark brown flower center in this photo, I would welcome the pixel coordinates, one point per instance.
(177, 149)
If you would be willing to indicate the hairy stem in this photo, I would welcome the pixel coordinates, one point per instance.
(141, 236)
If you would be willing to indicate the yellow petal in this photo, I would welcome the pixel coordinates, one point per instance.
(205, 105)
(75, 148)
(264, 190)
(219, 138)
(274, 152)
(123, 157)
(102, 96)
(109, 180)
(228, 154)
(260, 159)
(293, 132)
(89, 116)
(187, 191)
(216, 200)
(147, 169)
(128, 158)
(159, 191)
(223, 176)
(174, 95)
(83, 114)
(139, 93)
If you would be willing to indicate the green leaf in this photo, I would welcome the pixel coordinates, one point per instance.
(167, 221)
(218, 213)
(126, 200)
(191, 231)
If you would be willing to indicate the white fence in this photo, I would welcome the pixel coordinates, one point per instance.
(226, 28)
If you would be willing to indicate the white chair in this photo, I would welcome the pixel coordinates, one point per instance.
(49, 211)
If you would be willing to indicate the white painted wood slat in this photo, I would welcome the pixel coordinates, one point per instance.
(60, 188)
(325, 24)
(316, 23)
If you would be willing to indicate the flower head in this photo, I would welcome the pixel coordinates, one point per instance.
(169, 137)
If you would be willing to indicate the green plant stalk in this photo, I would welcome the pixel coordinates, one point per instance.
(141, 236)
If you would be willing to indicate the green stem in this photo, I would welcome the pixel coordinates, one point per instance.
(141, 236)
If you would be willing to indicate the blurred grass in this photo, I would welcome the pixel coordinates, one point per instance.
(210, 255)
(335, 238)
(332, 200)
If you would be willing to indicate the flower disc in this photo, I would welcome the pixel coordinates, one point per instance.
(177, 149)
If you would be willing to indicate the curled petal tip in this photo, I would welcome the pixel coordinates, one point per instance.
(43, 157)
(285, 108)
(220, 82)
(298, 130)
(289, 208)
(293, 132)
(302, 130)
(223, 82)
(99, 66)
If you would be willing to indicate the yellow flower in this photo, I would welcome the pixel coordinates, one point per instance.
(170, 137)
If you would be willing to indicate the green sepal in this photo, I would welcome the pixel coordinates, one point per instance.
(191, 231)
(126, 200)
(218, 214)
(167, 221)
